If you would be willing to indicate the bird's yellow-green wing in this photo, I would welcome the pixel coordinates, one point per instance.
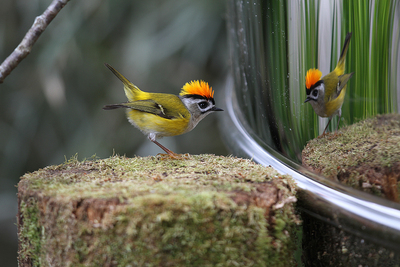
(163, 105)
(331, 82)
(151, 106)
(335, 100)
(343, 79)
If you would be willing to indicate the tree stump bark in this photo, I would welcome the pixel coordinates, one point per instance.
(201, 211)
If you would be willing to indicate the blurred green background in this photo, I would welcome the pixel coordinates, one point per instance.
(51, 104)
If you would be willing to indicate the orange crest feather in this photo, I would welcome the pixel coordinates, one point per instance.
(312, 76)
(197, 88)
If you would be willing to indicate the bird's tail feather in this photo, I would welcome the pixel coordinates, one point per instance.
(131, 90)
(342, 60)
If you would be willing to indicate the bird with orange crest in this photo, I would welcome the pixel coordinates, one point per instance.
(326, 94)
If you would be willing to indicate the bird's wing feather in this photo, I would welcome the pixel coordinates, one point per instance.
(331, 81)
(172, 107)
(343, 79)
(151, 106)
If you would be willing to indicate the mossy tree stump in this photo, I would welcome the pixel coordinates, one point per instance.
(365, 155)
(201, 211)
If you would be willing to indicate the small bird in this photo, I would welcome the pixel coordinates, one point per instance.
(158, 115)
(326, 95)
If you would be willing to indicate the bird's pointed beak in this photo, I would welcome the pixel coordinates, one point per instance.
(307, 99)
(217, 109)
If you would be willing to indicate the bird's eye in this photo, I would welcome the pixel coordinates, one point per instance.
(203, 105)
(315, 93)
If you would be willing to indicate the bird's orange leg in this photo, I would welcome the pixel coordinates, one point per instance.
(169, 152)
(337, 128)
(325, 128)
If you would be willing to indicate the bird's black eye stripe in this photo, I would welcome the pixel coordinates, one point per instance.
(314, 86)
(198, 97)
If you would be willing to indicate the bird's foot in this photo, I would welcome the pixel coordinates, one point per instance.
(323, 135)
(336, 134)
(170, 154)
(329, 135)
(173, 155)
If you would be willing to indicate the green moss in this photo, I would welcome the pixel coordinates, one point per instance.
(192, 231)
(103, 178)
(361, 155)
(31, 232)
(201, 211)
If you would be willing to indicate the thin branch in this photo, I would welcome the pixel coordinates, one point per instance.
(25, 47)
